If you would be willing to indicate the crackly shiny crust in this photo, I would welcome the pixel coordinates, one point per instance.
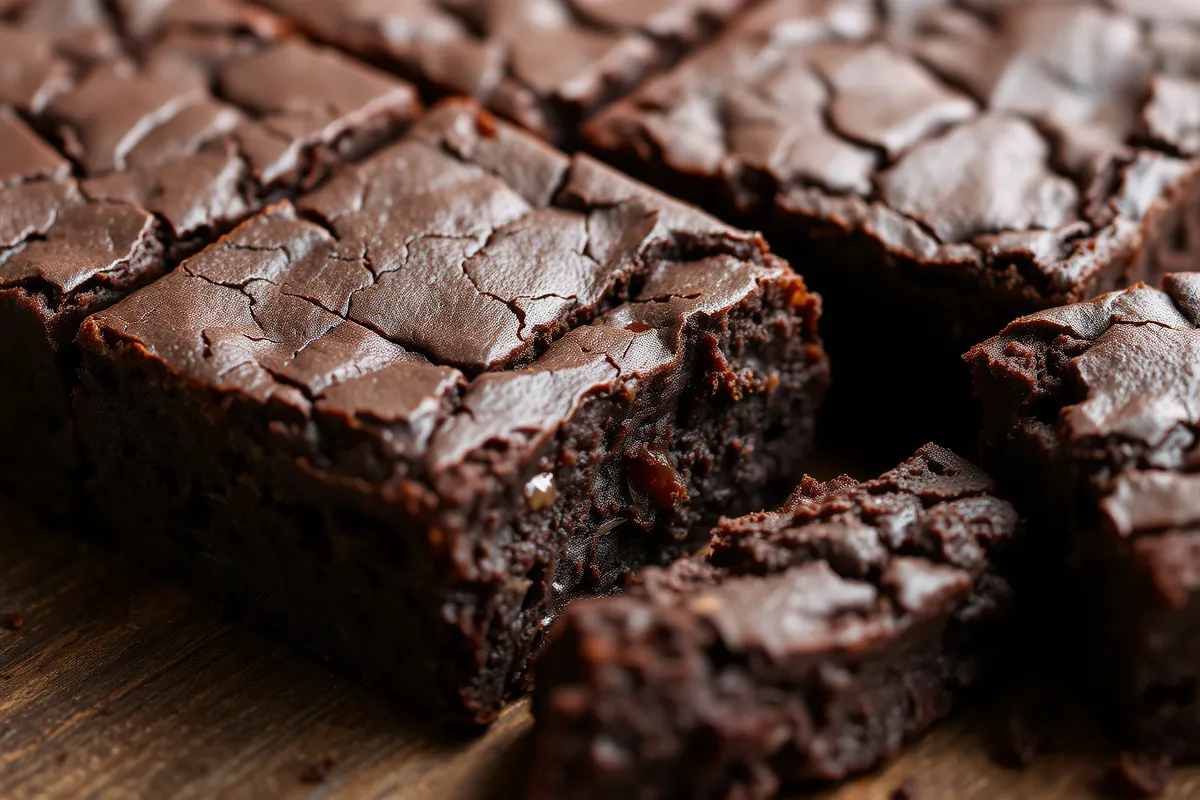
(147, 135)
(194, 110)
(132, 133)
(494, 349)
(1102, 400)
(1002, 149)
(430, 254)
(1110, 384)
(438, 265)
(810, 644)
(542, 63)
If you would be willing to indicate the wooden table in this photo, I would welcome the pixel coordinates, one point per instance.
(117, 686)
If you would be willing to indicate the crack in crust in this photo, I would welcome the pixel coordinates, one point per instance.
(544, 64)
(610, 275)
(1001, 143)
(1092, 416)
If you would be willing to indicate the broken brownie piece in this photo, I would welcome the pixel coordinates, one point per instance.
(810, 644)
(414, 413)
(1091, 417)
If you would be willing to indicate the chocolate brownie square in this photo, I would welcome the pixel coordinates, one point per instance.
(203, 115)
(412, 414)
(546, 64)
(62, 256)
(811, 643)
(937, 169)
(1092, 412)
(204, 129)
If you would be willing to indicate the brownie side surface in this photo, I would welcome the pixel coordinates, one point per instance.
(545, 64)
(810, 644)
(1091, 415)
(411, 415)
(1002, 166)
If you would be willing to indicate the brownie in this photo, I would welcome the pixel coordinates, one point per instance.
(204, 128)
(937, 168)
(1091, 417)
(410, 415)
(45, 39)
(545, 64)
(811, 643)
(62, 256)
(202, 115)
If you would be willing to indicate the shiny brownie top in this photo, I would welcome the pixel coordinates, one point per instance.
(468, 284)
(539, 62)
(1109, 390)
(1029, 138)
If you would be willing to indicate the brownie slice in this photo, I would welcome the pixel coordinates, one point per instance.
(62, 256)
(545, 64)
(811, 643)
(411, 415)
(205, 113)
(205, 127)
(937, 168)
(1091, 418)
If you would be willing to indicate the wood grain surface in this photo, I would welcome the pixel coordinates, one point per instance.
(118, 686)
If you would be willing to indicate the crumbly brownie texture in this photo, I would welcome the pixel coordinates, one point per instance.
(1092, 413)
(542, 63)
(202, 114)
(1016, 155)
(411, 415)
(811, 644)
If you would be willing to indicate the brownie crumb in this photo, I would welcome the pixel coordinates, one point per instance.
(1138, 775)
(907, 790)
(318, 772)
(14, 622)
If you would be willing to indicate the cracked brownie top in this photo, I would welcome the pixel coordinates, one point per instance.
(848, 563)
(1026, 136)
(1107, 392)
(54, 239)
(434, 288)
(541, 63)
(198, 115)
(1112, 381)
